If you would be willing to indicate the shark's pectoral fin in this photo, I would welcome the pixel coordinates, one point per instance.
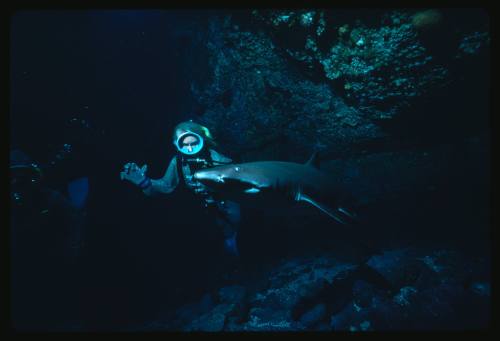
(348, 213)
(253, 190)
(333, 213)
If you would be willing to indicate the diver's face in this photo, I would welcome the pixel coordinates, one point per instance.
(189, 142)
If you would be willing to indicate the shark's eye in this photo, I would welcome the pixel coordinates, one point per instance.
(237, 169)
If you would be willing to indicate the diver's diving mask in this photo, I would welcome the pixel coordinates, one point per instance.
(191, 148)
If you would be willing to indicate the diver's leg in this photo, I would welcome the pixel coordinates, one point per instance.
(228, 218)
(230, 244)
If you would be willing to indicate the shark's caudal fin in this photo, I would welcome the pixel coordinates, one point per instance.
(340, 214)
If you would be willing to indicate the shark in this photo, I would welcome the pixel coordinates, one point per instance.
(275, 182)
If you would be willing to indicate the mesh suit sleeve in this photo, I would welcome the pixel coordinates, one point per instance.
(167, 183)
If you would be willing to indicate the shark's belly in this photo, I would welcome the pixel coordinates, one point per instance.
(275, 205)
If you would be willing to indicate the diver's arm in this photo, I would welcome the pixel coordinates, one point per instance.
(167, 183)
(137, 175)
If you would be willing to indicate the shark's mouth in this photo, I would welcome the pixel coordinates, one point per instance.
(235, 185)
(230, 185)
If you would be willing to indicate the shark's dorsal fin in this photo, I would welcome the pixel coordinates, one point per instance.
(313, 160)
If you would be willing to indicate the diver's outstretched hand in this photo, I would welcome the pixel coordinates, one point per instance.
(133, 173)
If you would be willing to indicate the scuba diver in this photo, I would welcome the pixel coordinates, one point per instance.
(194, 144)
(46, 243)
(49, 229)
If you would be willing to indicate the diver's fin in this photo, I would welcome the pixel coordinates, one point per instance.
(335, 214)
(313, 160)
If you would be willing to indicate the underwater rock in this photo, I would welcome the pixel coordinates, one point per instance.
(452, 267)
(283, 83)
(271, 104)
(273, 308)
(256, 326)
(410, 309)
(392, 68)
(352, 318)
(363, 292)
(268, 314)
(405, 295)
(440, 307)
(377, 62)
(400, 268)
(313, 316)
(212, 321)
(473, 43)
(188, 313)
(431, 289)
(292, 283)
